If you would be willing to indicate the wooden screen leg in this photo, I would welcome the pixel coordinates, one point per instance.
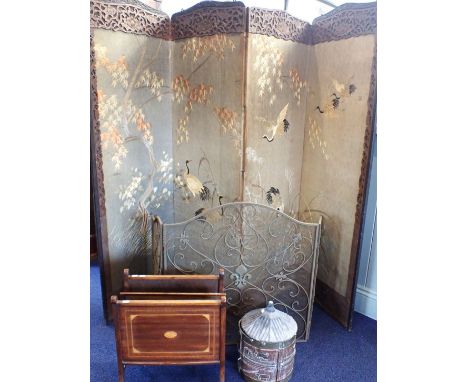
(221, 372)
(121, 372)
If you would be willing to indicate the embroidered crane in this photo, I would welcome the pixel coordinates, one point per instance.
(342, 91)
(274, 199)
(279, 127)
(192, 183)
(211, 216)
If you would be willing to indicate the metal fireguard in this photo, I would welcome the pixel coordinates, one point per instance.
(266, 255)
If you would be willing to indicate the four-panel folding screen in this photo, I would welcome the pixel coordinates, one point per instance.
(223, 103)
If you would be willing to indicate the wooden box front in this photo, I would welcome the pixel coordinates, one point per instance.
(170, 334)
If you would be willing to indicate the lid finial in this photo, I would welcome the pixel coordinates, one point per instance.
(270, 307)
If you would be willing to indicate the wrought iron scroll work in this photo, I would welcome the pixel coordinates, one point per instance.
(266, 255)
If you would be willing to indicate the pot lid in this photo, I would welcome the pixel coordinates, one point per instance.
(269, 324)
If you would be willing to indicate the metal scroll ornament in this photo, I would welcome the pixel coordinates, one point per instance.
(266, 255)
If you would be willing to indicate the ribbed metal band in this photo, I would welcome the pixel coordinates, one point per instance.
(265, 345)
(248, 379)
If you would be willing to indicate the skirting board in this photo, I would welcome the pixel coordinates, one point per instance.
(366, 302)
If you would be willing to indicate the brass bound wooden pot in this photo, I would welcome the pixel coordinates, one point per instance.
(267, 345)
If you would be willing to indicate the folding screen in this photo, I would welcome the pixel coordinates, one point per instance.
(225, 103)
(131, 95)
(277, 90)
(338, 131)
(208, 61)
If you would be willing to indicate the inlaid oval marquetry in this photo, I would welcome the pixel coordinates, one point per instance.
(170, 334)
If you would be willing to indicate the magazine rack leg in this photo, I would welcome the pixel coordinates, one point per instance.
(222, 339)
(120, 365)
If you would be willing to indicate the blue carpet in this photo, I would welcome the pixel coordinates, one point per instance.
(331, 354)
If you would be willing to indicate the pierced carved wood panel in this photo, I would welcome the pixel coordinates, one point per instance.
(129, 16)
(209, 18)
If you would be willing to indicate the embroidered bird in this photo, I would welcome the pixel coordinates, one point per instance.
(205, 193)
(327, 110)
(192, 183)
(213, 215)
(281, 125)
(199, 211)
(274, 199)
(342, 91)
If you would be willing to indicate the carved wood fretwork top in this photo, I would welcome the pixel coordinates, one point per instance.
(209, 18)
(130, 16)
(345, 21)
(213, 17)
(277, 23)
